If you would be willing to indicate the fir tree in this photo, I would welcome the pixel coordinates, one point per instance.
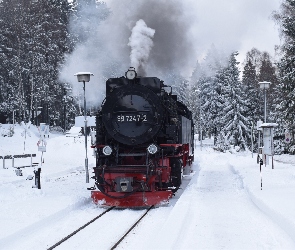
(35, 35)
(252, 96)
(286, 88)
(211, 96)
(194, 103)
(235, 123)
(267, 72)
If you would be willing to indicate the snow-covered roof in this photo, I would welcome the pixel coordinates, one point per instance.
(268, 125)
(84, 73)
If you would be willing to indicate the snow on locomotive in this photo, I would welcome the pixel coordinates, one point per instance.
(144, 141)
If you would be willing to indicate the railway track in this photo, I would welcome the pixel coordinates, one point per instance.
(130, 229)
(69, 236)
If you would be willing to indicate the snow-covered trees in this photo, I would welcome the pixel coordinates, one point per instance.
(235, 123)
(229, 106)
(285, 108)
(33, 40)
(267, 72)
(251, 89)
(36, 35)
(205, 93)
(223, 100)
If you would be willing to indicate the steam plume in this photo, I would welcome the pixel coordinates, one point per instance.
(141, 44)
(105, 52)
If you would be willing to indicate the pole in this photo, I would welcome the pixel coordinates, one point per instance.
(264, 105)
(13, 119)
(25, 138)
(37, 178)
(272, 162)
(252, 138)
(260, 163)
(65, 117)
(201, 136)
(85, 132)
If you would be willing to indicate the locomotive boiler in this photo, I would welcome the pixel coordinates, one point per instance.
(144, 142)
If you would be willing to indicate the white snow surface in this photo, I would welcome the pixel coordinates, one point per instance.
(221, 205)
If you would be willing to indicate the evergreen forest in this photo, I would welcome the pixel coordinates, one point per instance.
(224, 94)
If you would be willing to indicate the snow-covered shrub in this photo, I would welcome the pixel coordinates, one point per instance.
(292, 150)
(6, 132)
(56, 130)
(11, 131)
(222, 143)
(279, 146)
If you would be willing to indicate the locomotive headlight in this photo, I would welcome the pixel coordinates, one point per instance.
(107, 150)
(131, 73)
(152, 149)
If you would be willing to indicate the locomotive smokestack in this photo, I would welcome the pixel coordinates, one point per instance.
(141, 44)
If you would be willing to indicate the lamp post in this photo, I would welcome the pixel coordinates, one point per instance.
(200, 117)
(85, 77)
(201, 134)
(13, 116)
(264, 85)
(65, 109)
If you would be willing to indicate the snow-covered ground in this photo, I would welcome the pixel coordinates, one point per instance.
(222, 207)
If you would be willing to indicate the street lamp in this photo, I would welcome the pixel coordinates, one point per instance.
(264, 85)
(85, 77)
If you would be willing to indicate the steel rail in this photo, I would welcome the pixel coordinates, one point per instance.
(131, 228)
(79, 229)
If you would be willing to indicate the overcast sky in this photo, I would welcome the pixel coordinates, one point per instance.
(228, 24)
(235, 24)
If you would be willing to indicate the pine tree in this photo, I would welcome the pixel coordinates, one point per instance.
(211, 96)
(267, 72)
(35, 35)
(252, 97)
(15, 30)
(286, 88)
(194, 103)
(179, 84)
(255, 56)
(235, 123)
(250, 85)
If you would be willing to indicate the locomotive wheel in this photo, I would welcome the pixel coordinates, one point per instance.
(176, 173)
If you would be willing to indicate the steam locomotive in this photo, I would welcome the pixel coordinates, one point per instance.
(144, 142)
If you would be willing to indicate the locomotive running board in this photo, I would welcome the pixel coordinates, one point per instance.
(138, 199)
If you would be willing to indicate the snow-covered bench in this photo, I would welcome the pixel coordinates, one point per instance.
(12, 157)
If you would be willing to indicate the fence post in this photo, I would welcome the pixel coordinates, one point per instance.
(37, 178)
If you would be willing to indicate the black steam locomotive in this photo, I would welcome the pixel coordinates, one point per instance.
(144, 141)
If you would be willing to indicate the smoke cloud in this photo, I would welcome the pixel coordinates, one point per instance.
(184, 31)
(141, 44)
(123, 35)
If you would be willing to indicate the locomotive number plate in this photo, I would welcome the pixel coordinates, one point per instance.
(132, 118)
